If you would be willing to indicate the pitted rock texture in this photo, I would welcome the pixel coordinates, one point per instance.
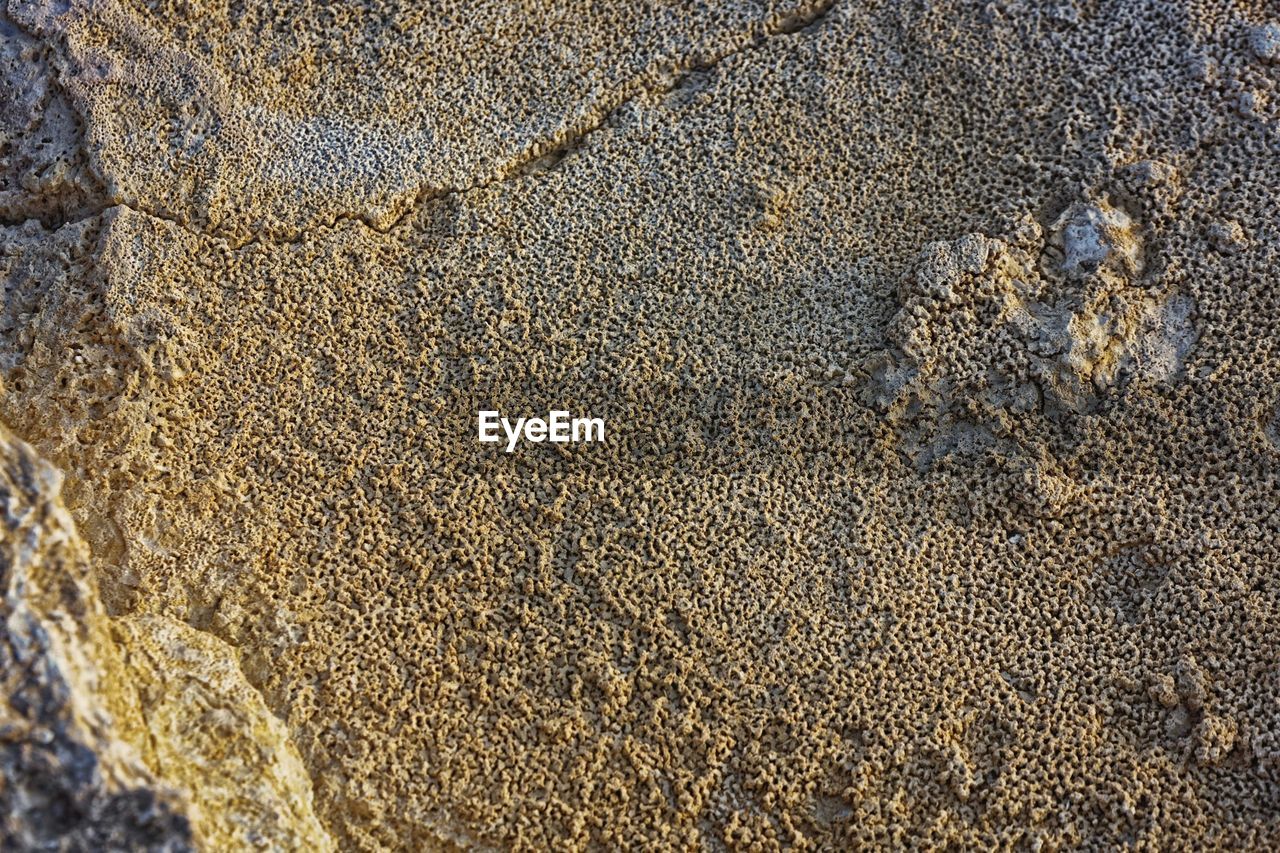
(994, 334)
(44, 167)
(937, 344)
(223, 117)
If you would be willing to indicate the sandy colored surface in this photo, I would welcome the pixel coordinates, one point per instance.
(938, 344)
(125, 733)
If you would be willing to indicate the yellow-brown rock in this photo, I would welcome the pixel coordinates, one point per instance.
(937, 343)
(124, 733)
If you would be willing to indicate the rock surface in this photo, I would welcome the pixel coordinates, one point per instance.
(136, 733)
(937, 343)
(71, 781)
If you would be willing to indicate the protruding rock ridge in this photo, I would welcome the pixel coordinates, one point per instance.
(131, 734)
(994, 336)
(71, 780)
(213, 737)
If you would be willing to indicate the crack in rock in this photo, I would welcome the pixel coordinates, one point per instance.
(536, 158)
